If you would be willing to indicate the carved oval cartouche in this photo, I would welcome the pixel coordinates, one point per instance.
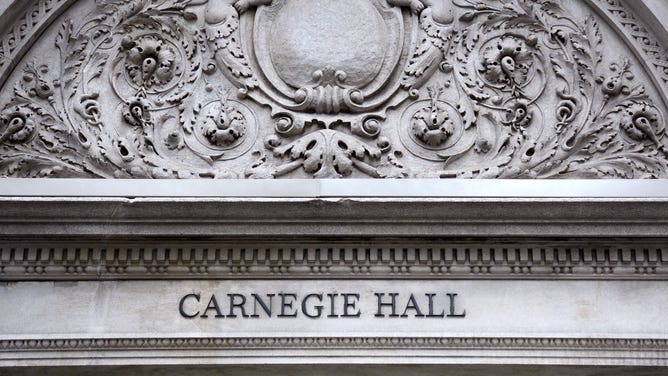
(346, 35)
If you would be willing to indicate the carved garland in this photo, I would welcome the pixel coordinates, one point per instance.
(517, 89)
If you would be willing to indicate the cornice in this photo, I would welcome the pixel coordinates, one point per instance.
(51, 218)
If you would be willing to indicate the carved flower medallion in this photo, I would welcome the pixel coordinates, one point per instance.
(432, 124)
(641, 122)
(433, 129)
(507, 62)
(224, 125)
(16, 125)
(225, 130)
(150, 62)
(137, 112)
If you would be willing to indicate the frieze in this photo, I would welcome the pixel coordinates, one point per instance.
(210, 89)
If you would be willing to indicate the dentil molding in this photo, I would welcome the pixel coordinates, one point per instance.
(437, 260)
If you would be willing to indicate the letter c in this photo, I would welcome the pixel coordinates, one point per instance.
(182, 311)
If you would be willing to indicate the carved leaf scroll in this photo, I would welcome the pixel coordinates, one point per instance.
(413, 88)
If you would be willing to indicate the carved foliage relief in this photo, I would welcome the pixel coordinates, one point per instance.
(329, 89)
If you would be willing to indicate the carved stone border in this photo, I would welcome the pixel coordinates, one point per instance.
(651, 51)
(18, 38)
(222, 350)
(416, 260)
(196, 343)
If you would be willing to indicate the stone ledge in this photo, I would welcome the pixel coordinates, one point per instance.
(336, 370)
(110, 218)
(333, 189)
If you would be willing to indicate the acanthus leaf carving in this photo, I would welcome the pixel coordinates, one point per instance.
(277, 88)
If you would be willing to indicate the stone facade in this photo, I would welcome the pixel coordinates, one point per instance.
(520, 267)
(269, 89)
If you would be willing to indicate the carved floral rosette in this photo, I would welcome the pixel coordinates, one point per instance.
(329, 89)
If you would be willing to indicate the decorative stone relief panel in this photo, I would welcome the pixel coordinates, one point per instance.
(330, 89)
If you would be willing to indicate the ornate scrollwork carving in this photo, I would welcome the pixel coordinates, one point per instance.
(380, 88)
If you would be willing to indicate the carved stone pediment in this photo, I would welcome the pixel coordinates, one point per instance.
(328, 89)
